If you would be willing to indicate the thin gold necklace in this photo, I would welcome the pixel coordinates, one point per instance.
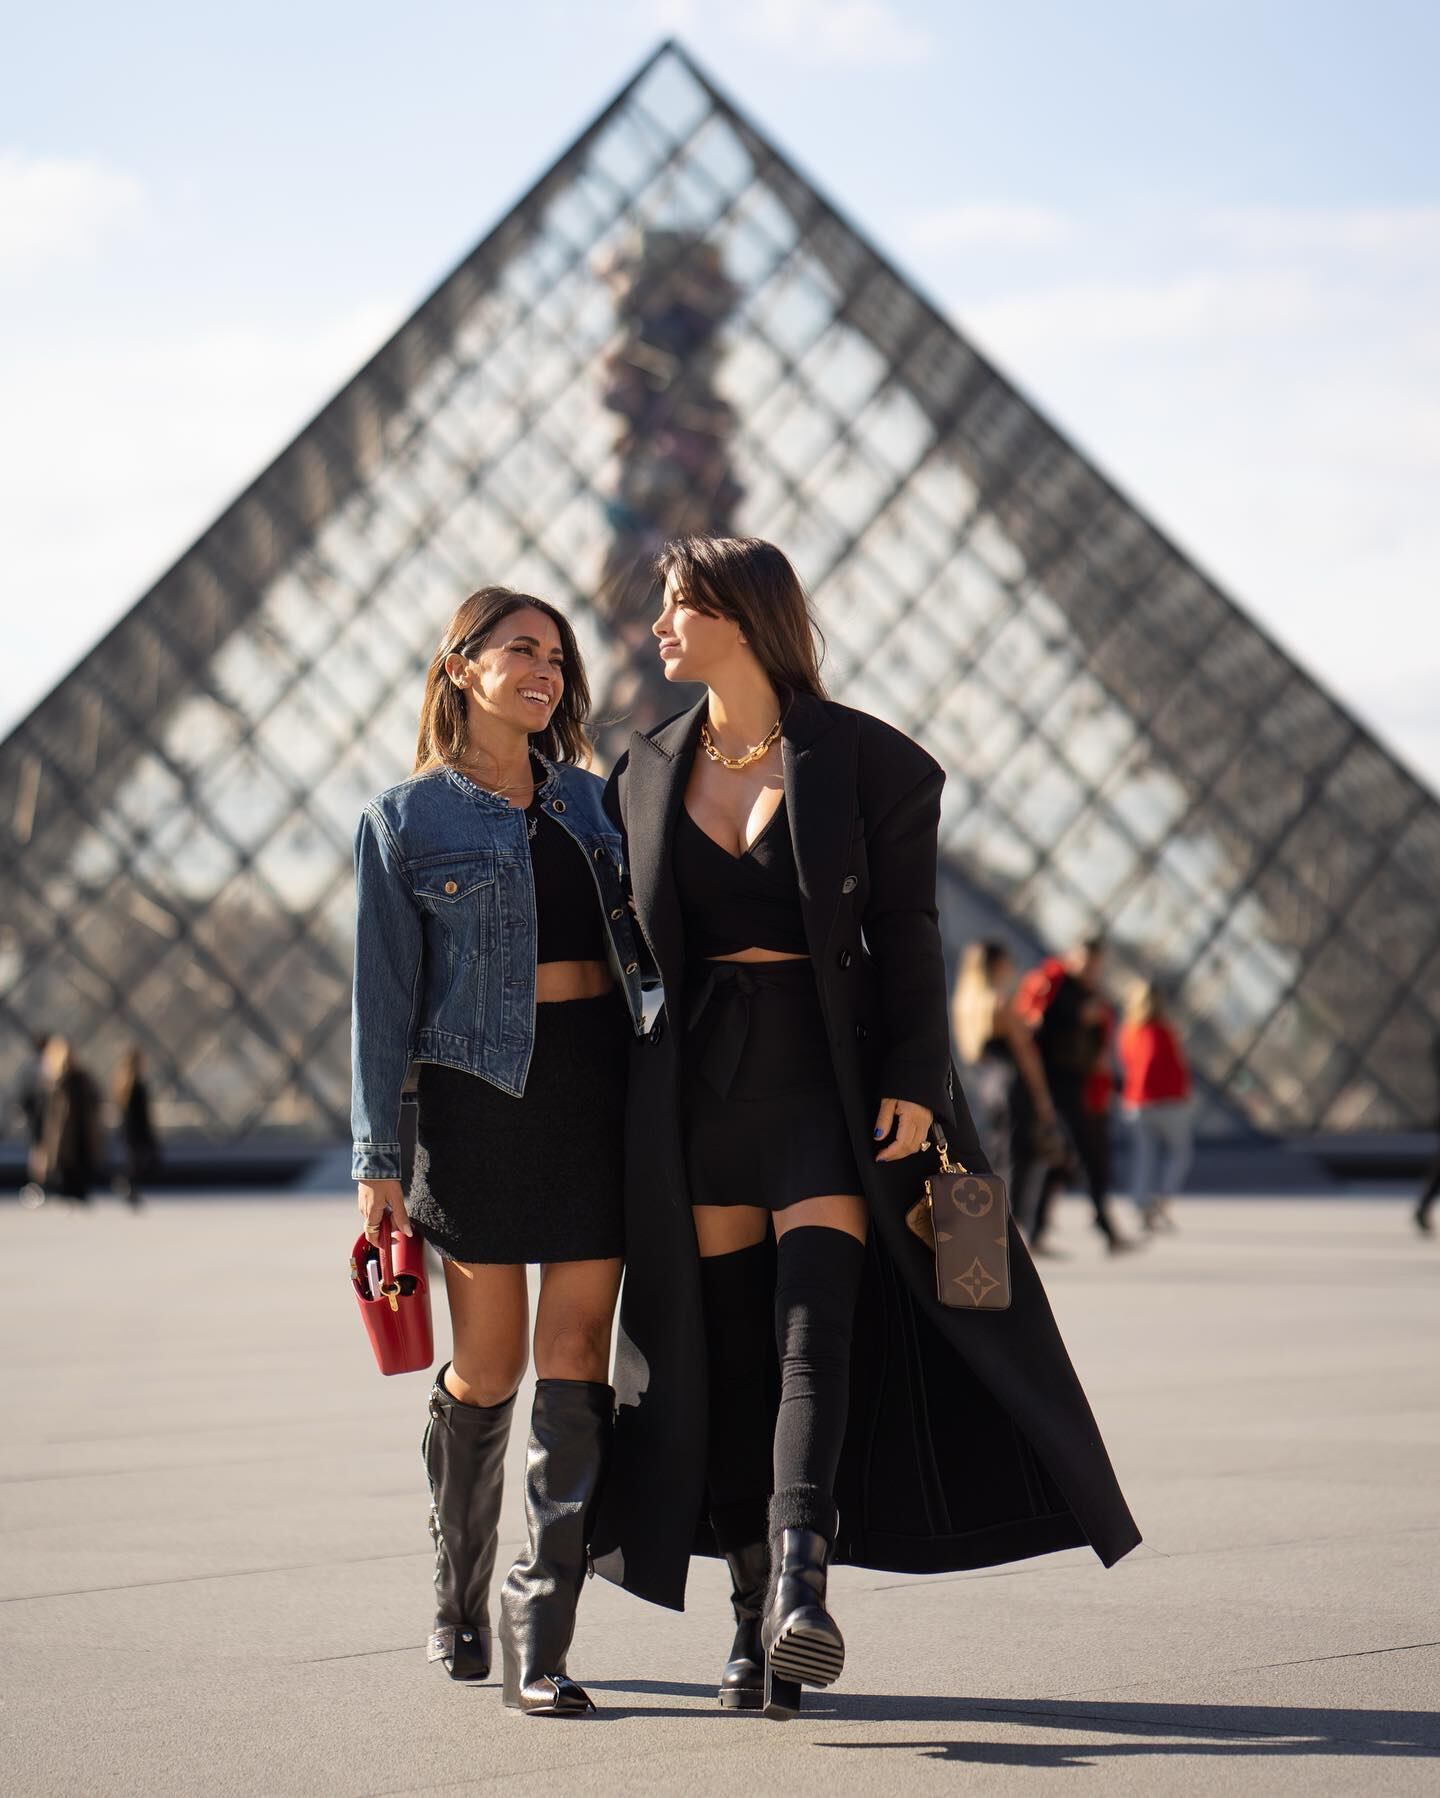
(707, 743)
(518, 786)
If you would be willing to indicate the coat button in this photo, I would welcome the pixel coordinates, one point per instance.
(632, 967)
(617, 913)
(557, 805)
(849, 884)
(450, 887)
(844, 958)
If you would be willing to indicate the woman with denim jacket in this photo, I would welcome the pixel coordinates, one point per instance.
(791, 1390)
(494, 953)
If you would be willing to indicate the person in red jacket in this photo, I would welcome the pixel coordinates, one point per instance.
(1063, 1002)
(1157, 1101)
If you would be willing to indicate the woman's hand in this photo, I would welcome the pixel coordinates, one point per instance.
(911, 1124)
(376, 1197)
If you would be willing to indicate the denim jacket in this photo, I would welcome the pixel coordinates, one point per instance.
(445, 938)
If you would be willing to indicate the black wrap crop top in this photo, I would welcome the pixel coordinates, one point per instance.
(732, 902)
(568, 925)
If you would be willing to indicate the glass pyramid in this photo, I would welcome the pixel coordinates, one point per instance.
(673, 330)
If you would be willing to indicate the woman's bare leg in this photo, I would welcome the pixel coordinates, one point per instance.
(572, 1324)
(722, 1229)
(836, 1211)
(489, 1324)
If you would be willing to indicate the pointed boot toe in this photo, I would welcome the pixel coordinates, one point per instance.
(549, 1695)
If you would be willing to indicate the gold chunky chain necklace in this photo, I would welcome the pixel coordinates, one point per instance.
(707, 743)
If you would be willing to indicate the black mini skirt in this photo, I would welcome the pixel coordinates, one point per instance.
(541, 1177)
(762, 1119)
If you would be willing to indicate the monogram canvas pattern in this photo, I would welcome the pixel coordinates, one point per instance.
(964, 1218)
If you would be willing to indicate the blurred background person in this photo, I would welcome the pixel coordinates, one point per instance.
(1157, 1102)
(1432, 1179)
(1063, 1003)
(1013, 1107)
(71, 1143)
(137, 1131)
(34, 1086)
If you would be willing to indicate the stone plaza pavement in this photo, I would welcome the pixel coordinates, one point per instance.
(214, 1566)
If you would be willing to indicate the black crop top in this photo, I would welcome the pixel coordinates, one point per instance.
(568, 926)
(730, 902)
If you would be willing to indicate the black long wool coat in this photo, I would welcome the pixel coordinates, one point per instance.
(970, 1441)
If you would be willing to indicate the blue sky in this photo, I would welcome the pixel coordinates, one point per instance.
(1205, 238)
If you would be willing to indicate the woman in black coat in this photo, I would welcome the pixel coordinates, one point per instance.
(789, 1085)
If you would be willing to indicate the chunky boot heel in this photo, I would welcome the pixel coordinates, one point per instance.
(569, 1437)
(781, 1698)
(742, 1684)
(464, 1450)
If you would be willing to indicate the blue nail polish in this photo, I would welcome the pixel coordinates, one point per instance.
(878, 1133)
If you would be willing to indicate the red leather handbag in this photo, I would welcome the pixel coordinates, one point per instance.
(397, 1315)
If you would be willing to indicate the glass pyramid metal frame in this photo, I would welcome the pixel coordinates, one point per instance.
(674, 330)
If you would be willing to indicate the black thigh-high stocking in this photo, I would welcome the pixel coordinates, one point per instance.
(738, 1293)
(817, 1284)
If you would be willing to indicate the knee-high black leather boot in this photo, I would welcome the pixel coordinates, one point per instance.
(801, 1640)
(569, 1439)
(742, 1684)
(464, 1451)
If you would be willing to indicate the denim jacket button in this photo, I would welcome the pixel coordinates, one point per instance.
(599, 855)
(849, 884)
(450, 887)
(557, 805)
(632, 967)
(617, 913)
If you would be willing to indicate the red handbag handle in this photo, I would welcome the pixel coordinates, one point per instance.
(389, 1285)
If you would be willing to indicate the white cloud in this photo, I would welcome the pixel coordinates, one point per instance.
(1374, 230)
(57, 210)
(1007, 227)
(1210, 305)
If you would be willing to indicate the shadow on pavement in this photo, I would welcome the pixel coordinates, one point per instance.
(1253, 1730)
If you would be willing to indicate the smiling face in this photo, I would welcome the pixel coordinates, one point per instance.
(517, 674)
(693, 645)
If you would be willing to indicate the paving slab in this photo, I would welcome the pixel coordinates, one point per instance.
(214, 1569)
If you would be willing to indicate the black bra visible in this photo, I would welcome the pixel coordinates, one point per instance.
(732, 902)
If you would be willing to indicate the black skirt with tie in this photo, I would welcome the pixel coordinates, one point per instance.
(761, 1113)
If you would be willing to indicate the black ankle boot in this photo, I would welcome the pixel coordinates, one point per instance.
(742, 1684)
(802, 1642)
(464, 1450)
(569, 1437)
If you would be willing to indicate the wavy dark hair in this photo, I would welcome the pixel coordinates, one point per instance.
(751, 581)
(444, 733)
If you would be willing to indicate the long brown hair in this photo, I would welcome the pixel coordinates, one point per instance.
(977, 996)
(444, 734)
(751, 581)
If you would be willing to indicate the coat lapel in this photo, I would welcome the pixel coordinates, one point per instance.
(819, 746)
(658, 770)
